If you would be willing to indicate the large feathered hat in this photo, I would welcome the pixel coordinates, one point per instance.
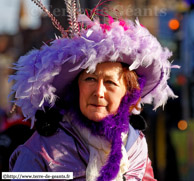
(42, 75)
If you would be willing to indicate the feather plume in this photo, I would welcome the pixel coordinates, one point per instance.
(78, 7)
(72, 16)
(43, 74)
(55, 22)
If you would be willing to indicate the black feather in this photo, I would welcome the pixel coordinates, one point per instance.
(47, 122)
(138, 122)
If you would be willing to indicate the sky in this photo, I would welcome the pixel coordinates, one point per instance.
(9, 15)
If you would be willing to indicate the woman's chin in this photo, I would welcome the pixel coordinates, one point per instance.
(96, 117)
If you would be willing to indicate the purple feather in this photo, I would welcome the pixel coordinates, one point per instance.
(57, 65)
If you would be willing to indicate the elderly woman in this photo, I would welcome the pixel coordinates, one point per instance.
(94, 82)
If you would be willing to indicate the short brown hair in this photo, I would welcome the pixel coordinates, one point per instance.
(131, 82)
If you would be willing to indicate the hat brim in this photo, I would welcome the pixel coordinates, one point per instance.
(44, 74)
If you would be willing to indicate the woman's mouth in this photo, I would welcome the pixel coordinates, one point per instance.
(97, 105)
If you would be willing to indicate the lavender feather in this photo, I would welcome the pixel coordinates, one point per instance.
(54, 67)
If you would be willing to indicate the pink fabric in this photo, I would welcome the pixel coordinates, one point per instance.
(149, 174)
(139, 161)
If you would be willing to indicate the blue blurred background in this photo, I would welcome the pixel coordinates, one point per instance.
(170, 132)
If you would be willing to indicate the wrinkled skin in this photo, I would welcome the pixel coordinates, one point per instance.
(100, 93)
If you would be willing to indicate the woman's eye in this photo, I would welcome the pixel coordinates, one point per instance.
(90, 79)
(110, 82)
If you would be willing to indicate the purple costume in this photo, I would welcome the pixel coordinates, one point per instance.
(66, 151)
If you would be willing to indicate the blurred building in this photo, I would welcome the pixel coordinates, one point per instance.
(6, 59)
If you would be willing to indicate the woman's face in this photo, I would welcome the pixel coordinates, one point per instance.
(100, 93)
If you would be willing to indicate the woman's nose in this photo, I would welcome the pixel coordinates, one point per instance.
(100, 89)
